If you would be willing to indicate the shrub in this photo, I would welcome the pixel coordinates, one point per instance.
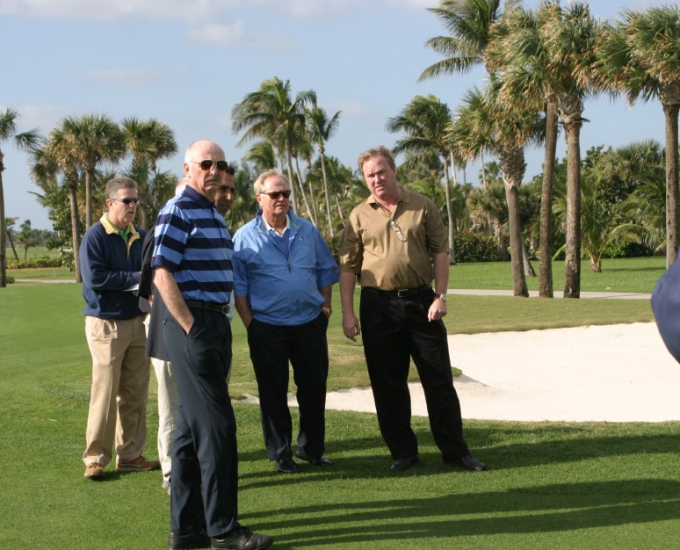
(475, 247)
(626, 249)
(45, 261)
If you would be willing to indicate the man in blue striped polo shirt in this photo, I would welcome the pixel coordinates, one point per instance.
(192, 271)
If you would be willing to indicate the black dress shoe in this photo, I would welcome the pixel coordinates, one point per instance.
(404, 463)
(241, 539)
(467, 462)
(316, 460)
(287, 466)
(193, 540)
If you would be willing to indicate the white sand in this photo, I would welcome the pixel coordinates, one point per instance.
(616, 373)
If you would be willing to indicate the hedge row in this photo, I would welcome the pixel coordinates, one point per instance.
(45, 261)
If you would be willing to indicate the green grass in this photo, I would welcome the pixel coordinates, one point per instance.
(550, 485)
(618, 275)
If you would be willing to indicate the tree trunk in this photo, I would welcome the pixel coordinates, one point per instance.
(545, 276)
(526, 262)
(481, 158)
(75, 222)
(311, 203)
(3, 229)
(291, 179)
(449, 214)
(89, 176)
(513, 166)
(302, 191)
(672, 226)
(326, 190)
(572, 261)
(337, 205)
(11, 244)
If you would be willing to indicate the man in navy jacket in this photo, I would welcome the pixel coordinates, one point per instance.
(110, 262)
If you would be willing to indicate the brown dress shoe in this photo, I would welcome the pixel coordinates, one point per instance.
(94, 470)
(139, 464)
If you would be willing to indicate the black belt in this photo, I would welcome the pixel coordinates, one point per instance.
(401, 293)
(212, 306)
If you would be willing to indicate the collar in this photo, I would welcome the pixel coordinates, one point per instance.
(112, 229)
(404, 197)
(195, 196)
(270, 228)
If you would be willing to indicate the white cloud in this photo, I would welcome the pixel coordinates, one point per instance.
(235, 34)
(193, 10)
(417, 4)
(180, 10)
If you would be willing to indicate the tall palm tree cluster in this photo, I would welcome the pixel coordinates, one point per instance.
(85, 152)
(542, 64)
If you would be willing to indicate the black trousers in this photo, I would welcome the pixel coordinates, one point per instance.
(394, 330)
(204, 477)
(306, 347)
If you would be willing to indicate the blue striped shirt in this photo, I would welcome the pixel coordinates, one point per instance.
(193, 243)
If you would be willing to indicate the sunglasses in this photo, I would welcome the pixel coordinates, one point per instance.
(276, 194)
(221, 165)
(127, 202)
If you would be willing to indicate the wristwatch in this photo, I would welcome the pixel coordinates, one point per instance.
(442, 297)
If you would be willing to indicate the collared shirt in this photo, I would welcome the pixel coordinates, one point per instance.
(282, 283)
(125, 233)
(192, 242)
(393, 251)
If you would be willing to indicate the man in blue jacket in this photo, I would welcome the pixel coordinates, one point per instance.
(110, 262)
(283, 277)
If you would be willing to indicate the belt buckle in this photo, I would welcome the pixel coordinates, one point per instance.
(225, 309)
(403, 293)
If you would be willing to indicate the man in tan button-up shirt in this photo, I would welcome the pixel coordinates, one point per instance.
(395, 243)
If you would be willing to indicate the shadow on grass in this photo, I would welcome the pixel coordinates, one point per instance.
(546, 509)
(369, 458)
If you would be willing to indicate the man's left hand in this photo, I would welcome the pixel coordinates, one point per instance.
(437, 310)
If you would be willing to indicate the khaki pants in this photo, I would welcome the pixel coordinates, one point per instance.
(168, 410)
(120, 388)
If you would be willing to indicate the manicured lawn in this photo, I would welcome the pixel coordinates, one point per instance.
(550, 485)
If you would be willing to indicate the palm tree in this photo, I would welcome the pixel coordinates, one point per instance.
(27, 237)
(569, 36)
(9, 228)
(148, 141)
(486, 123)
(272, 113)
(468, 23)
(60, 156)
(262, 155)
(93, 138)
(321, 129)
(641, 58)
(427, 124)
(518, 52)
(24, 141)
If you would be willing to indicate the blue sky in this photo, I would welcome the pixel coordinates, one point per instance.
(188, 62)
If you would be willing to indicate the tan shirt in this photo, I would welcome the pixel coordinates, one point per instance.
(372, 248)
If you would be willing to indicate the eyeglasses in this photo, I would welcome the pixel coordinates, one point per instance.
(222, 165)
(276, 194)
(401, 236)
(127, 202)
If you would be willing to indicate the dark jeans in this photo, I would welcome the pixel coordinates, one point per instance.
(204, 477)
(394, 330)
(306, 347)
